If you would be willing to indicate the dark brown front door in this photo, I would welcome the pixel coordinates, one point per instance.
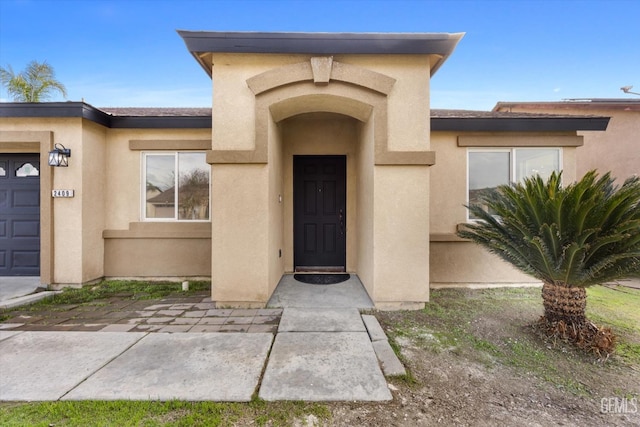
(319, 212)
(19, 215)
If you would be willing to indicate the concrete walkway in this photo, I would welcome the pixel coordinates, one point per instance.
(21, 290)
(17, 286)
(348, 294)
(323, 354)
(316, 354)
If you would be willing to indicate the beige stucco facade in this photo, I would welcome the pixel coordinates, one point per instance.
(373, 110)
(406, 183)
(98, 233)
(457, 262)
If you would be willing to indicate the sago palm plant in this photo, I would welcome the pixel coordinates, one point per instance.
(569, 237)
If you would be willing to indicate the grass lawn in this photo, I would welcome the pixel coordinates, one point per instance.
(472, 352)
(173, 413)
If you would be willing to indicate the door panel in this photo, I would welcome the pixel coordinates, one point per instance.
(19, 215)
(319, 212)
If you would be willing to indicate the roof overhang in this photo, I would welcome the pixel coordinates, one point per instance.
(89, 112)
(200, 118)
(202, 43)
(493, 121)
(560, 124)
(622, 104)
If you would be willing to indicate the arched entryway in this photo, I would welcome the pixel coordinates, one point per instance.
(316, 108)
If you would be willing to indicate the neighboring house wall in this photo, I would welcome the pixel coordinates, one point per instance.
(617, 150)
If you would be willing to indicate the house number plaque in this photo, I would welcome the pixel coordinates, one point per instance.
(62, 193)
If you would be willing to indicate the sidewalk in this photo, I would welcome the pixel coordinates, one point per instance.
(185, 349)
(18, 290)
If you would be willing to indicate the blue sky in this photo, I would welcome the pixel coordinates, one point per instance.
(126, 53)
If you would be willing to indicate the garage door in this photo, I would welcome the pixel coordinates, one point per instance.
(19, 215)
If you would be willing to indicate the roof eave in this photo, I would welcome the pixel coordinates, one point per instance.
(573, 104)
(491, 124)
(439, 44)
(89, 112)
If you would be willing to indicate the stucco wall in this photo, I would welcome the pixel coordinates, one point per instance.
(453, 260)
(364, 201)
(67, 213)
(617, 150)
(105, 175)
(149, 249)
(94, 178)
(240, 233)
(157, 257)
(408, 102)
(401, 235)
(276, 248)
(465, 263)
(233, 101)
(390, 95)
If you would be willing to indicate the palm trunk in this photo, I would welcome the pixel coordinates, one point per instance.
(564, 303)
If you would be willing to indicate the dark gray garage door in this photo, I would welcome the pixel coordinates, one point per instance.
(19, 215)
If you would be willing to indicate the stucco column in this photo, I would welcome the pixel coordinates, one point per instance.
(239, 234)
(401, 236)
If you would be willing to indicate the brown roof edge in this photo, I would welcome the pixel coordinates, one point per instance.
(574, 104)
(200, 118)
(439, 44)
(126, 118)
(499, 121)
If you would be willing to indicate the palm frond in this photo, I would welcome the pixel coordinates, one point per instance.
(35, 84)
(585, 233)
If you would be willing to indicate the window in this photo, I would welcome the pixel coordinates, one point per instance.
(27, 169)
(162, 174)
(489, 168)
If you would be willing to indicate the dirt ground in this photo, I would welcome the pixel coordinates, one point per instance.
(456, 385)
(454, 394)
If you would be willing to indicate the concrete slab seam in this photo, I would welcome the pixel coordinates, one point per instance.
(256, 391)
(376, 333)
(390, 364)
(27, 299)
(389, 361)
(102, 366)
(8, 337)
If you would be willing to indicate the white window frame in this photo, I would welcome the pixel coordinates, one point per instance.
(512, 163)
(143, 187)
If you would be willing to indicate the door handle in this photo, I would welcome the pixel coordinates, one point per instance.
(341, 218)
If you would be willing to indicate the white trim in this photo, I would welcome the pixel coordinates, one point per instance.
(143, 193)
(512, 163)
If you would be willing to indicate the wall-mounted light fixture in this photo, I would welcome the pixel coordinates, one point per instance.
(59, 156)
